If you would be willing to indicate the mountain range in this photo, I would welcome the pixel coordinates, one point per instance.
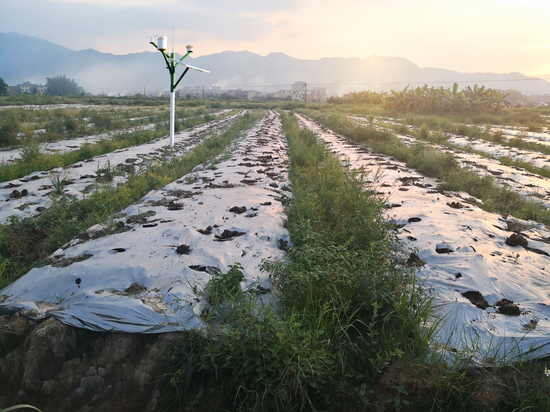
(26, 58)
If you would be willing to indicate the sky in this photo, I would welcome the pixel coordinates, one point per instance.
(466, 35)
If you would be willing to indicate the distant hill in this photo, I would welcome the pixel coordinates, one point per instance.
(25, 58)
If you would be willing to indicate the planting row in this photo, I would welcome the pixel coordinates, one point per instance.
(171, 242)
(517, 178)
(33, 193)
(488, 275)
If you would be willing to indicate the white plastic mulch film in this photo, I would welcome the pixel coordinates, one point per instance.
(491, 299)
(140, 272)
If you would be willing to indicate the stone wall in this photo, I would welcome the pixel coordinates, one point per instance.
(60, 368)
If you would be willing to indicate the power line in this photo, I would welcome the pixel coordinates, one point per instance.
(388, 83)
(348, 84)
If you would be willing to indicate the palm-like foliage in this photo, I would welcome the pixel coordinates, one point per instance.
(433, 100)
(366, 96)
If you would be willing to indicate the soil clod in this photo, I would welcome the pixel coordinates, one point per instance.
(183, 249)
(238, 209)
(516, 240)
(507, 307)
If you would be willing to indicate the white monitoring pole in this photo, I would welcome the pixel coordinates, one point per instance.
(172, 63)
(172, 116)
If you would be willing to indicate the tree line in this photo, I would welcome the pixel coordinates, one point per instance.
(432, 100)
(58, 85)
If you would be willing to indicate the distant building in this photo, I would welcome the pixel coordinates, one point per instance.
(216, 91)
(319, 94)
(27, 87)
(298, 86)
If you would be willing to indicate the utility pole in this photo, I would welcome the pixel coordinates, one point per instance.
(305, 96)
(102, 92)
(202, 94)
(144, 93)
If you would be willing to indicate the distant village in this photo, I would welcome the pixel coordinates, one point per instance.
(297, 92)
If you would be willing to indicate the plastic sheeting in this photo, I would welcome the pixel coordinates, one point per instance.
(128, 276)
(463, 249)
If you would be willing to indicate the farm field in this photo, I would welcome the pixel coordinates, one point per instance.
(217, 237)
(176, 214)
(518, 178)
(79, 179)
(464, 253)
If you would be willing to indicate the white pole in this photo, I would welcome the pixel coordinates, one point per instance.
(172, 116)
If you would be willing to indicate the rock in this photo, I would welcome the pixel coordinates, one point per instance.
(135, 288)
(62, 262)
(183, 249)
(414, 260)
(238, 209)
(516, 240)
(211, 270)
(206, 231)
(476, 298)
(455, 205)
(228, 234)
(16, 194)
(443, 248)
(507, 307)
(283, 245)
(509, 310)
(49, 387)
(414, 219)
(537, 251)
(198, 168)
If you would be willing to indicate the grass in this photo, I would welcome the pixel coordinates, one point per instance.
(20, 125)
(350, 307)
(438, 136)
(34, 159)
(528, 117)
(25, 242)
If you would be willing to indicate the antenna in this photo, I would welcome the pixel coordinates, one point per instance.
(172, 41)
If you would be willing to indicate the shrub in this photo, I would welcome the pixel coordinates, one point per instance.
(9, 129)
(55, 129)
(424, 131)
(102, 121)
(31, 151)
